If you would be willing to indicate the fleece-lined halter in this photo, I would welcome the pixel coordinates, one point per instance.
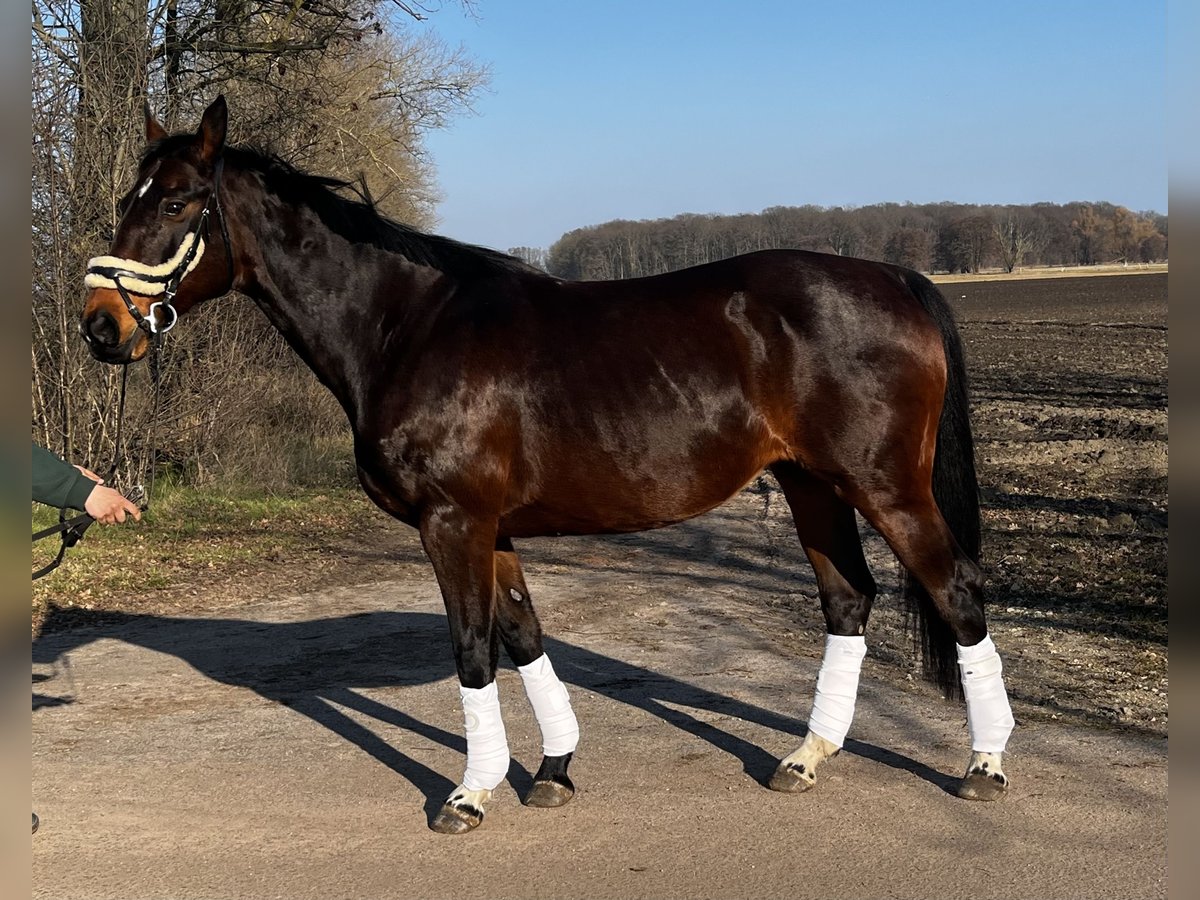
(126, 275)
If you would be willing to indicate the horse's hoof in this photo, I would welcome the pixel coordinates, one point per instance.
(548, 794)
(453, 819)
(980, 785)
(792, 779)
(552, 786)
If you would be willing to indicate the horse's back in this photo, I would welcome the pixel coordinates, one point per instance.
(655, 399)
(798, 285)
(773, 322)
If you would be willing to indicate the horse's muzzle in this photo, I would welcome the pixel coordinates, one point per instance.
(109, 331)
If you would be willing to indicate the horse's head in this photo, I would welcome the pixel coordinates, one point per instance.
(171, 247)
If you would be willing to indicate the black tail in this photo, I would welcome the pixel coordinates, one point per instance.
(955, 488)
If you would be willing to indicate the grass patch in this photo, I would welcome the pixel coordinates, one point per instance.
(185, 533)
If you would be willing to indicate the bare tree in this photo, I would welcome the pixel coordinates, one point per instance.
(910, 247)
(964, 245)
(1130, 231)
(843, 234)
(336, 86)
(1093, 236)
(535, 256)
(1017, 237)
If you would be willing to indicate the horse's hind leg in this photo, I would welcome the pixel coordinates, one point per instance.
(913, 526)
(522, 636)
(828, 531)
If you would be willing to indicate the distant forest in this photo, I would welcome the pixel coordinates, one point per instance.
(931, 237)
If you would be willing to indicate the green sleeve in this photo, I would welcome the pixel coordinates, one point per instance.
(58, 483)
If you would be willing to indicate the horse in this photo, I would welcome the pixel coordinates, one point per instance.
(490, 401)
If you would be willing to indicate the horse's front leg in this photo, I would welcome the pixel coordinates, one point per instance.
(461, 546)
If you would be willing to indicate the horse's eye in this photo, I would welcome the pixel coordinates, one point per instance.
(173, 207)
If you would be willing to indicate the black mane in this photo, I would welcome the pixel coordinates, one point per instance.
(356, 218)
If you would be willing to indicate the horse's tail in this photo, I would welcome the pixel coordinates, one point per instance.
(955, 488)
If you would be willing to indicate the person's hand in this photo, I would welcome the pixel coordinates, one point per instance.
(108, 507)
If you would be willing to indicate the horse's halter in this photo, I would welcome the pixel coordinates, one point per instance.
(150, 281)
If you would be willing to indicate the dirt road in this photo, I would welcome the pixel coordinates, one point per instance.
(295, 746)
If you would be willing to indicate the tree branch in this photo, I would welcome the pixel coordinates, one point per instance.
(51, 44)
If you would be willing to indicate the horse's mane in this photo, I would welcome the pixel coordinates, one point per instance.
(356, 217)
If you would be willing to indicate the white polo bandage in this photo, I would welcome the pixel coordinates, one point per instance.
(989, 717)
(487, 744)
(141, 286)
(551, 706)
(837, 687)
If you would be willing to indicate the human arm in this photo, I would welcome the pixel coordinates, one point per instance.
(58, 483)
(61, 484)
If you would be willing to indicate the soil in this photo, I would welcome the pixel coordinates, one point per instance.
(169, 759)
(1070, 402)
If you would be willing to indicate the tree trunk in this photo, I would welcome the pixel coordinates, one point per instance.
(107, 140)
(113, 53)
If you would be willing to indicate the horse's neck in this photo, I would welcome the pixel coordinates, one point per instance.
(338, 305)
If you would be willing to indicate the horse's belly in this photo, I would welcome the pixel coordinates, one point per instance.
(609, 495)
(616, 516)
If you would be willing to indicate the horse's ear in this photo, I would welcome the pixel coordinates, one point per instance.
(212, 130)
(154, 131)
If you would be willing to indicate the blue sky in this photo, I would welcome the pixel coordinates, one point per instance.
(642, 110)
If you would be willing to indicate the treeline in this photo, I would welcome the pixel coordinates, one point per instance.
(932, 237)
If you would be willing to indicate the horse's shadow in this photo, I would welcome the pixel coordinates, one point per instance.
(315, 668)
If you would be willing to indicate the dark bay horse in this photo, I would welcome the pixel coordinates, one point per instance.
(490, 401)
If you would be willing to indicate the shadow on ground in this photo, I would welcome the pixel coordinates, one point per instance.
(316, 668)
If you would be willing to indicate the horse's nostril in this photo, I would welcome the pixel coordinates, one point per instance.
(102, 328)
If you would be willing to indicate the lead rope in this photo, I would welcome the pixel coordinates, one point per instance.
(138, 493)
(155, 363)
(120, 423)
(72, 530)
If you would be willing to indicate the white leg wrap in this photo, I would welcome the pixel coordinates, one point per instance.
(837, 687)
(552, 707)
(989, 717)
(487, 745)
